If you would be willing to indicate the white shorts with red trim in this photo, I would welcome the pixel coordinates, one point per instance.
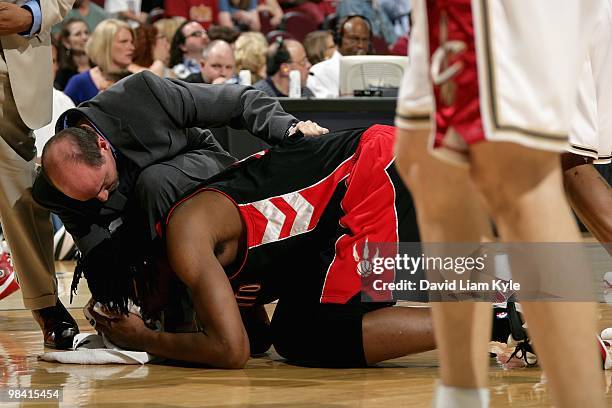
(495, 71)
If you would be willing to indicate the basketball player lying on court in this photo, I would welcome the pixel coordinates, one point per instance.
(290, 225)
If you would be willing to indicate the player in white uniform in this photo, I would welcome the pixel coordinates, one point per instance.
(591, 136)
(497, 81)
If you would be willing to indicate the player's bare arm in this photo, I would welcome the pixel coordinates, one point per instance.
(195, 255)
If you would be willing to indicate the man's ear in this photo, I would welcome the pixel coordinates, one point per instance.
(102, 143)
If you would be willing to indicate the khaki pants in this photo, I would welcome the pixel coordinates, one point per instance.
(26, 225)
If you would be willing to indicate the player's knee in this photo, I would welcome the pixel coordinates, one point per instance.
(410, 150)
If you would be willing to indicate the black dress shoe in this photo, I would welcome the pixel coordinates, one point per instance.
(58, 327)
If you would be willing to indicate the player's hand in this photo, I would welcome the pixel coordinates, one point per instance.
(124, 331)
(308, 128)
(14, 19)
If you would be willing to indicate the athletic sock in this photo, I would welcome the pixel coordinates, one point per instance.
(456, 397)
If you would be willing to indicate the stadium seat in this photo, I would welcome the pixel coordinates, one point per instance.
(298, 25)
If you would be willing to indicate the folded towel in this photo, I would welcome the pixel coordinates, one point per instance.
(92, 348)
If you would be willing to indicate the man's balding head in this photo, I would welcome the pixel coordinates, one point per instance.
(355, 34)
(218, 62)
(80, 163)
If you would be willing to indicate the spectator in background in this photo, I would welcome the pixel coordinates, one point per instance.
(186, 49)
(111, 48)
(90, 12)
(217, 64)
(319, 46)
(380, 23)
(273, 9)
(204, 12)
(152, 52)
(250, 52)
(227, 34)
(241, 14)
(283, 57)
(168, 27)
(128, 10)
(71, 56)
(354, 36)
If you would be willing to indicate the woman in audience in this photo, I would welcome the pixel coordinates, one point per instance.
(152, 52)
(111, 48)
(241, 14)
(168, 26)
(319, 46)
(250, 53)
(71, 55)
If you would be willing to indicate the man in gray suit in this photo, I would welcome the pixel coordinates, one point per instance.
(25, 104)
(149, 148)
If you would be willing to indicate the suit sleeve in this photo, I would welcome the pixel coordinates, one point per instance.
(240, 107)
(53, 11)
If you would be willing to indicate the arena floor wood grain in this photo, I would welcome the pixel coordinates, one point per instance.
(265, 382)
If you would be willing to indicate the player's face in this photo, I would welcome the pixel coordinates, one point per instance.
(356, 38)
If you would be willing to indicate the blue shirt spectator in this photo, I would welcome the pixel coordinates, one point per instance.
(81, 88)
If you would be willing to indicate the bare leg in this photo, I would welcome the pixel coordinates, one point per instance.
(448, 210)
(590, 196)
(523, 189)
(397, 331)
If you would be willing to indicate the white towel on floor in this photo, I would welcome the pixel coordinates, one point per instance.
(92, 348)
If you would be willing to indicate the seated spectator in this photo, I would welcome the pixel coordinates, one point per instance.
(90, 12)
(204, 12)
(111, 48)
(152, 52)
(186, 49)
(250, 53)
(227, 34)
(273, 9)
(353, 38)
(283, 57)
(217, 65)
(168, 26)
(375, 12)
(241, 14)
(71, 55)
(127, 10)
(319, 46)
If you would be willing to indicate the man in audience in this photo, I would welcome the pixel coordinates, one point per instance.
(283, 57)
(186, 49)
(352, 38)
(217, 64)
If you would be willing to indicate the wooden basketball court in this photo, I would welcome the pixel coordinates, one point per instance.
(266, 382)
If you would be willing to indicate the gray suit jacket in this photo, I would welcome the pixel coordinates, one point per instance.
(150, 123)
(29, 68)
